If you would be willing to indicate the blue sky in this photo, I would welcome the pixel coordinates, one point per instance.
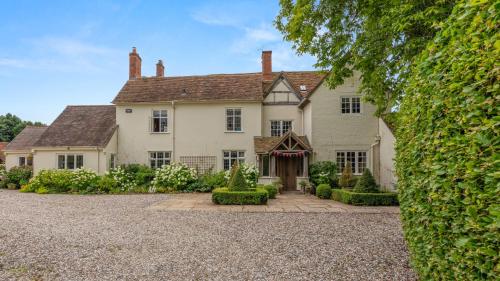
(58, 53)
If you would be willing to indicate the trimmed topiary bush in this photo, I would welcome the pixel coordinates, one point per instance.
(224, 196)
(324, 191)
(447, 149)
(366, 183)
(346, 179)
(365, 199)
(237, 181)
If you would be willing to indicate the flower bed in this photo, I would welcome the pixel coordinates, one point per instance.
(366, 199)
(224, 196)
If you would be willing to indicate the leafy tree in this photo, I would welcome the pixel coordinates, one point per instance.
(366, 183)
(447, 144)
(11, 125)
(378, 38)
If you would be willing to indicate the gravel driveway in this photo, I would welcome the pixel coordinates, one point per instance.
(116, 237)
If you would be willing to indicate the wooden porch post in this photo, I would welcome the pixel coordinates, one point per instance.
(273, 167)
(306, 165)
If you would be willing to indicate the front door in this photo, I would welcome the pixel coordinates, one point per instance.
(287, 171)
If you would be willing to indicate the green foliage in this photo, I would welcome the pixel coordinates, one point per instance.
(323, 172)
(18, 175)
(378, 38)
(324, 191)
(365, 199)
(223, 196)
(142, 174)
(53, 181)
(207, 182)
(447, 149)
(173, 177)
(271, 190)
(11, 126)
(237, 181)
(366, 183)
(346, 179)
(84, 180)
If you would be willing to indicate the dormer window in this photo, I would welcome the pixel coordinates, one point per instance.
(350, 105)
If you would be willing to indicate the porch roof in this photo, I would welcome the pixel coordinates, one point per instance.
(268, 144)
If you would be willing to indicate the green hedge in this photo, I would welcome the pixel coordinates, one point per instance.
(365, 199)
(271, 190)
(324, 191)
(223, 196)
(447, 142)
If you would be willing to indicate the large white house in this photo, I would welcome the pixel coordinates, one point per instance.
(280, 121)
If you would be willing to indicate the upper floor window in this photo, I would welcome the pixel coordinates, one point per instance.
(69, 161)
(233, 119)
(159, 122)
(231, 156)
(350, 105)
(357, 159)
(159, 158)
(280, 127)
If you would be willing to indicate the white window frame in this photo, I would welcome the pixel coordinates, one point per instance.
(75, 159)
(350, 103)
(229, 155)
(161, 129)
(234, 118)
(356, 160)
(280, 129)
(167, 157)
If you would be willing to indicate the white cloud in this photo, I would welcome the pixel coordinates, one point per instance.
(254, 39)
(69, 46)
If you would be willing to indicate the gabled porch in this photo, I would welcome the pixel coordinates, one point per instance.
(284, 158)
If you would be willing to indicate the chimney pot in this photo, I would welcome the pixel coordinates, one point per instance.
(134, 65)
(267, 65)
(160, 69)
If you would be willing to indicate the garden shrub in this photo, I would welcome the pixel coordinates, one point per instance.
(271, 190)
(250, 174)
(224, 196)
(346, 179)
(447, 142)
(124, 181)
(18, 175)
(366, 199)
(366, 183)
(53, 181)
(143, 175)
(84, 180)
(237, 181)
(323, 172)
(324, 191)
(173, 177)
(207, 182)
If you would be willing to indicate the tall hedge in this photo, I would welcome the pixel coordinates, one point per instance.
(448, 162)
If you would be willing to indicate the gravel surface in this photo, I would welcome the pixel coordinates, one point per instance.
(116, 237)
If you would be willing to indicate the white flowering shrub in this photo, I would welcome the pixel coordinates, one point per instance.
(250, 173)
(83, 179)
(3, 170)
(173, 177)
(124, 181)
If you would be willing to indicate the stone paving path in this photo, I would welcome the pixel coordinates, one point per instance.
(284, 203)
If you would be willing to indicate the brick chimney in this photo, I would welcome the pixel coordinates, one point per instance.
(267, 65)
(134, 65)
(160, 69)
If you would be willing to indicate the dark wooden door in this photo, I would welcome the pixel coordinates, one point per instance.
(287, 171)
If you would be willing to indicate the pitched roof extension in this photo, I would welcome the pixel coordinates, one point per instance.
(84, 125)
(227, 87)
(267, 144)
(26, 138)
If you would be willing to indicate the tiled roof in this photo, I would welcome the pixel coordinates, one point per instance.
(86, 125)
(26, 138)
(267, 144)
(227, 87)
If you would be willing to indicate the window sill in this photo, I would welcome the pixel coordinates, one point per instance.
(237, 132)
(159, 133)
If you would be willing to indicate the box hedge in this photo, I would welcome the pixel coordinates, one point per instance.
(447, 141)
(365, 199)
(324, 191)
(271, 190)
(224, 196)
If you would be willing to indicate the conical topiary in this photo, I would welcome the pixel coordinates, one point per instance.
(346, 178)
(366, 184)
(237, 181)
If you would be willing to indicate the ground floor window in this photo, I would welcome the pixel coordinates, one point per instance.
(112, 161)
(159, 158)
(69, 161)
(231, 156)
(264, 165)
(357, 159)
(22, 161)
